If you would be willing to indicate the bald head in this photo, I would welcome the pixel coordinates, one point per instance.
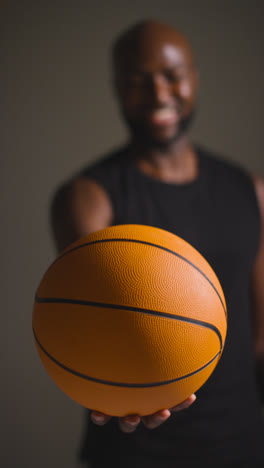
(137, 39)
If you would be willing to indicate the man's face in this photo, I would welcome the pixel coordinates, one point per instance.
(156, 84)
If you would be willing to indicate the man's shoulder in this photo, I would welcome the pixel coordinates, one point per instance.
(228, 180)
(221, 165)
(105, 162)
(103, 171)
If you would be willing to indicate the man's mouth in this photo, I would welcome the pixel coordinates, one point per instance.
(164, 116)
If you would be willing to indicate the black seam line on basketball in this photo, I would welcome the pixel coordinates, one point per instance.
(57, 300)
(120, 384)
(146, 243)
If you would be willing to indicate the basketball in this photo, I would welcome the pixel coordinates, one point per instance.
(130, 320)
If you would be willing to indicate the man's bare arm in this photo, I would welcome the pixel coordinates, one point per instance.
(79, 207)
(258, 291)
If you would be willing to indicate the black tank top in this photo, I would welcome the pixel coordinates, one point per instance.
(218, 214)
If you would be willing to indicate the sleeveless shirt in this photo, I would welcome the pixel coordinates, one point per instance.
(218, 214)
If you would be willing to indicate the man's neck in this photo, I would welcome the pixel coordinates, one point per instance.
(177, 163)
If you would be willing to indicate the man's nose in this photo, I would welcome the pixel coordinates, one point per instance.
(160, 89)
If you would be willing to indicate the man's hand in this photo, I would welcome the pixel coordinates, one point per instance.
(130, 423)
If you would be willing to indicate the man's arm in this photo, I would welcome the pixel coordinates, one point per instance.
(79, 207)
(258, 291)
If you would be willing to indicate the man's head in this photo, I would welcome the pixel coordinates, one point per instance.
(156, 80)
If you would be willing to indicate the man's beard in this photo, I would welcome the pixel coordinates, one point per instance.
(141, 135)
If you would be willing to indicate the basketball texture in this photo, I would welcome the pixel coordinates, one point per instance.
(130, 320)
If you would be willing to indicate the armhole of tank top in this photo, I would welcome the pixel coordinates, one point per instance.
(255, 202)
(100, 175)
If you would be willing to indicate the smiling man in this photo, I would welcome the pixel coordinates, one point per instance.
(161, 179)
(156, 84)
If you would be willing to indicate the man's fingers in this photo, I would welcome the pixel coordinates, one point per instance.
(129, 423)
(185, 404)
(99, 418)
(154, 420)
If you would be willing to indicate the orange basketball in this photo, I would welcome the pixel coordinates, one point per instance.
(130, 320)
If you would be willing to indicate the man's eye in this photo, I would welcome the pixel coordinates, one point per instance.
(135, 80)
(174, 77)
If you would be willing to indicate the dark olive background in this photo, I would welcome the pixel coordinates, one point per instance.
(59, 112)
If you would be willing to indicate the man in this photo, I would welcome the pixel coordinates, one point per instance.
(161, 179)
